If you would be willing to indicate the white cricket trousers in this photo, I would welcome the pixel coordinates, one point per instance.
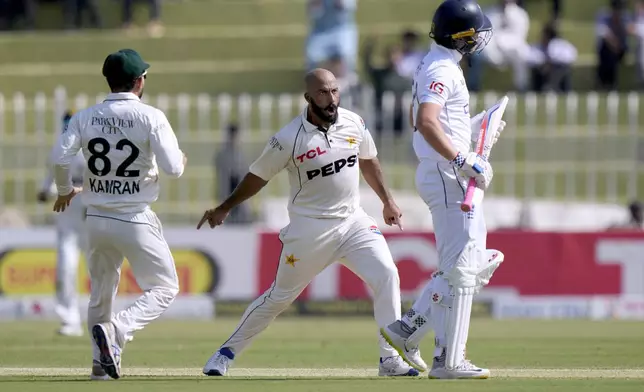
(310, 245)
(70, 240)
(443, 190)
(139, 238)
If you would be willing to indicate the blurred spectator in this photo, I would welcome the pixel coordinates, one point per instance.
(612, 43)
(333, 33)
(379, 77)
(348, 81)
(231, 167)
(556, 6)
(410, 56)
(395, 75)
(508, 46)
(13, 11)
(637, 29)
(636, 218)
(556, 9)
(73, 13)
(155, 28)
(551, 61)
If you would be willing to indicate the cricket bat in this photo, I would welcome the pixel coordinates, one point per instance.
(491, 122)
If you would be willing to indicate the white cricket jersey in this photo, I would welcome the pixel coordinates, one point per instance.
(323, 171)
(439, 79)
(123, 140)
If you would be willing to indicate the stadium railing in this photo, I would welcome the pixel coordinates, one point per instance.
(565, 147)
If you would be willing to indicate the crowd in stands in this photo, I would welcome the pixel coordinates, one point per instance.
(77, 14)
(544, 65)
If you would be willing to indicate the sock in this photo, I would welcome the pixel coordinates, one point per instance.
(226, 352)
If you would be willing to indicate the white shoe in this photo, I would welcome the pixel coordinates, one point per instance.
(397, 338)
(104, 335)
(395, 366)
(219, 363)
(466, 370)
(98, 374)
(70, 330)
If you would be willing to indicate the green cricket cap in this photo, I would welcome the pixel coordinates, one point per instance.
(124, 65)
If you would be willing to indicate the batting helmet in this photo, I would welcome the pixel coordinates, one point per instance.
(461, 25)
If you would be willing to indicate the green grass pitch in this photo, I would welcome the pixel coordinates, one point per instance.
(329, 354)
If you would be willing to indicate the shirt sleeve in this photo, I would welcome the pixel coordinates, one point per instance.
(274, 158)
(165, 146)
(434, 86)
(368, 148)
(62, 155)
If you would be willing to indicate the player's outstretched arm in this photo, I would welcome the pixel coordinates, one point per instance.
(274, 158)
(249, 186)
(372, 173)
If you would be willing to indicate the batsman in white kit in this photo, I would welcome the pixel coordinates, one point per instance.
(442, 141)
(324, 150)
(70, 242)
(124, 142)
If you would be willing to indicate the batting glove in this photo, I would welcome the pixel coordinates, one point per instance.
(475, 124)
(474, 166)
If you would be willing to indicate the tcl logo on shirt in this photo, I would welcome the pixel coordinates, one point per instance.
(332, 168)
(437, 86)
(311, 154)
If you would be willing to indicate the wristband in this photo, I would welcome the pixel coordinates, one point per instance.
(459, 160)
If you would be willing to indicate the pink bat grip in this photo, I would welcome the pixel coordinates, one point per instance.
(466, 206)
(473, 192)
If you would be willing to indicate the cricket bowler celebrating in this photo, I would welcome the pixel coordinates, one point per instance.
(70, 240)
(324, 151)
(442, 141)
(124, 142)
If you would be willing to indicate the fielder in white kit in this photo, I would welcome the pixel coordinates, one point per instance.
(442, 141)
(324, 151)
(70, 242)
(124, 142)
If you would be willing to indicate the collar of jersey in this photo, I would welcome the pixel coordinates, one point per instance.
(121, 97)
(455, 55)
(308, 127)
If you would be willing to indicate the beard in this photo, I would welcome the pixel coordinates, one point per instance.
(327, 114)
